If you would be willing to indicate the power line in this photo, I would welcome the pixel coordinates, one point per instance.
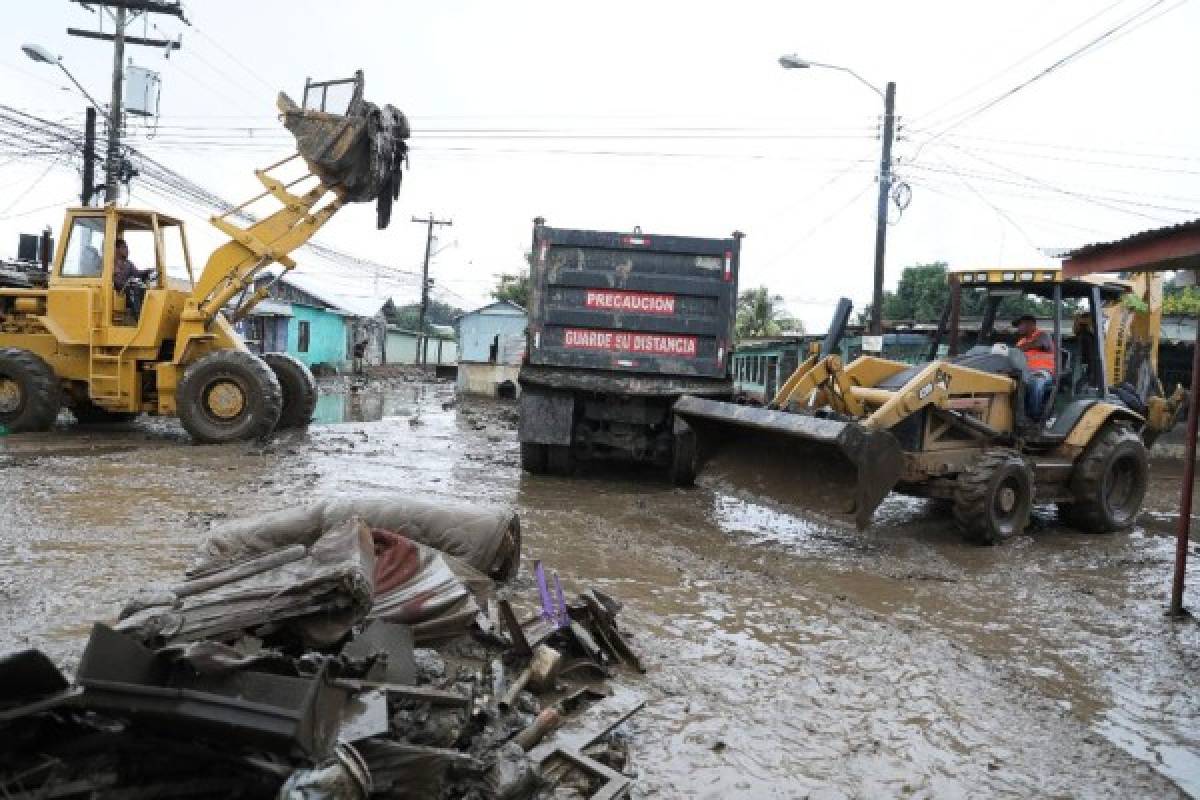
(1059, 64)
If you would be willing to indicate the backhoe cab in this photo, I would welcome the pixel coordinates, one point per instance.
(983, 429)
(79, 343)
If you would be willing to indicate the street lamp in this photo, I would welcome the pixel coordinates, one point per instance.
(885, 173)
(43, 56)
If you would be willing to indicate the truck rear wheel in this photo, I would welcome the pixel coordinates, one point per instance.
(229, 396)
(30, 392)
(299, 390)
(533, 458)
(1109, 482)
(993, 498)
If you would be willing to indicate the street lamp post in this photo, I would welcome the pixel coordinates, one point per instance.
(888, 96)
(43, 56)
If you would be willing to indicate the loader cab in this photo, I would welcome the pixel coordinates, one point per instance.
(86, 258)
(1070, 311)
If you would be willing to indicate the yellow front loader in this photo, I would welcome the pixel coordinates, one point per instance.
(78, 343)
(981, 429)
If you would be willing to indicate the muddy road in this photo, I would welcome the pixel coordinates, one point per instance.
(790, 656)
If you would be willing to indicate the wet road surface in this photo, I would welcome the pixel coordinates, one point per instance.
(790, 655)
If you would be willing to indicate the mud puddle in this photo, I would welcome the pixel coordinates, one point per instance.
(789, 654)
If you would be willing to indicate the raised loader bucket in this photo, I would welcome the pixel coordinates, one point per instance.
(355, 147)
(789, 446)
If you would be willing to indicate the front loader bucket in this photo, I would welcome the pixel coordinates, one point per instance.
(766, 436)
(358, 153)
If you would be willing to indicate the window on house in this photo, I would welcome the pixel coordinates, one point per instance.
(302, 336)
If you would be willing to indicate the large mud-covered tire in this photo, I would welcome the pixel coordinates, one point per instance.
(1109, 482)
(229, 396)
(88, 413)
(299, 390)
(533, 458)
(993, 498)
(30, 392)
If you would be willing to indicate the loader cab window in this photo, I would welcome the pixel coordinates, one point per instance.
(85, 249)
(175, 255)
(141, 250)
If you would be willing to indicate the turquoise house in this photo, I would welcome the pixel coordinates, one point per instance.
(297, 321)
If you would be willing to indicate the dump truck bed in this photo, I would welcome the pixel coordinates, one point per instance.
(632, 303)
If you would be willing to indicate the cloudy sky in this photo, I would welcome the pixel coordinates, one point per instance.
(672, 116)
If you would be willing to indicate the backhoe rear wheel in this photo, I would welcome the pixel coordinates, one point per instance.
(1109, 482)
(993, 497)
(299, 390)
(229, 396)
(30, 392)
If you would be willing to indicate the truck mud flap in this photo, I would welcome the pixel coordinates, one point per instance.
(791, 446)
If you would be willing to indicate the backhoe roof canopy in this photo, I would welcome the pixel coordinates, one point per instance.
(126, 215)
(1041, 281)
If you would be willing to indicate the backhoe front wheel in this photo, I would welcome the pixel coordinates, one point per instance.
(1109, 482)
(229, 396)
(993, 497)
(299, 390)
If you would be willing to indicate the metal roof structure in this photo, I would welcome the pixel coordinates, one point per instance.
(1161, 249)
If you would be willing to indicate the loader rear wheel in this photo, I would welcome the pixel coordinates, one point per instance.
(1109, 482)
(88, 413)
(30, 392)
(229, 396)
(993, 498)
(299, 390)
(533, 458)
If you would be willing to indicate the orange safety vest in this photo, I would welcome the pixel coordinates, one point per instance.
(1037, 359)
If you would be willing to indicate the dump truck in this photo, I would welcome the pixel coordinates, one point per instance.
(621, 324)
(78, 342)
(986, 430)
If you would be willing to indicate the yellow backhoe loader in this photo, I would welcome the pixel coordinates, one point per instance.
(79, 343)
(982, 429)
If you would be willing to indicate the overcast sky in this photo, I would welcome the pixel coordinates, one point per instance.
(672, 116)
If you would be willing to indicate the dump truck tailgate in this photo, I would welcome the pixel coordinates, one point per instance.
(631, 302)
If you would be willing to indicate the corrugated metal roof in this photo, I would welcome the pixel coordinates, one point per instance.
(1137, 238)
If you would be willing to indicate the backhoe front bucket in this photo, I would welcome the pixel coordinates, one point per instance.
(358, 153)
(770, 438)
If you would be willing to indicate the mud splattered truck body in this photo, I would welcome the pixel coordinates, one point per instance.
(621, 325)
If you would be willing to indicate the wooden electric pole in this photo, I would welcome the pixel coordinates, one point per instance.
(885, 187)
(125, 12)
(429, 222)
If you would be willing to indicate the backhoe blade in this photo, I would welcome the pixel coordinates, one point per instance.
(790, 444)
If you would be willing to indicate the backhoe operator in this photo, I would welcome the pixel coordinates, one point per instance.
(1041, 359)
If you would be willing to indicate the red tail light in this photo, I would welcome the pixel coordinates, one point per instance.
(728, 266)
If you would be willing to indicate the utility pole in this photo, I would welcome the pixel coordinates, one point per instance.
(429, 222)
(885, 187)
(89, 157)
(121, 18)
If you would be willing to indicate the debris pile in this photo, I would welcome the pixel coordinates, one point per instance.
(353, 648)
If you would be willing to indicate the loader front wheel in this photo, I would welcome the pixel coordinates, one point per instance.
(30, 392)
(229, 396)
(993, 498)
(1109, 482)
(299, 390)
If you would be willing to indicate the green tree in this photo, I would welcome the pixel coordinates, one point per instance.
(438, 313)
(758, 313)
(514, 286)
(1183, 301)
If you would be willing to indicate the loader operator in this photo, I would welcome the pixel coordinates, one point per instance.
(129, 280)
(1041, 359)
